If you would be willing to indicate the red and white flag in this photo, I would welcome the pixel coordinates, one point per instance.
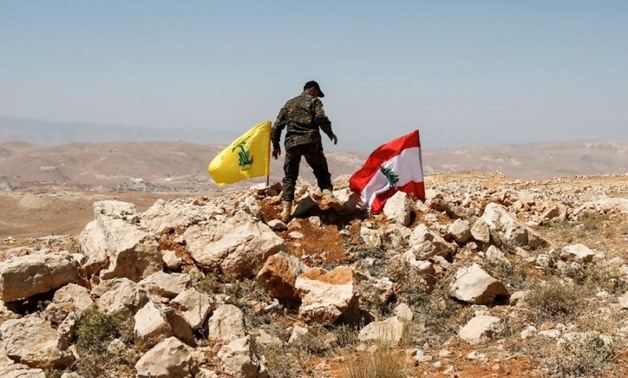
(392, 167)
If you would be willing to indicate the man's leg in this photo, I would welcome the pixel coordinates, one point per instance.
(291, 173)
(316, 159)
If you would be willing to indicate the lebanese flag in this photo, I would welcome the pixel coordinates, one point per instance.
(392, 167)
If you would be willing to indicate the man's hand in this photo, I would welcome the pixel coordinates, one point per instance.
(276, 152)
(334, 138)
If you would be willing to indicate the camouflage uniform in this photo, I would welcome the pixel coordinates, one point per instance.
(302, 117)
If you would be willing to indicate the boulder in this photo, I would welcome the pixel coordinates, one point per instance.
(169, 359)
(235, 246)
(425, 243)
(328, 296)
(166, 285)
(279, 274)
(32, 342)
(25, 276)
(75, 294)
(507, 231)
(398, 208)
(388, 331)
(226, 323)
(119, 295)
(480, 328)
(239, 359)
(115, 246)
(180, 212)
(473, 285)
(193, 306)
(151, 326)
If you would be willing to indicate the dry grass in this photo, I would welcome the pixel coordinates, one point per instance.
(383, 363)
(585, 355)
(554, 301)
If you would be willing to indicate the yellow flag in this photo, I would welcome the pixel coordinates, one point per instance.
(248, 156)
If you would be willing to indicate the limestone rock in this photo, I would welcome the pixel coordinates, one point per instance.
(115, 246)
(473, 285)
(169, 359)
(578, 252)
(460, 231)
(239, 358)
(398, 208)
(426, 243)
(279, 275)
(166, 285)
(328, 296)
(151, 326)
(226, 323)
(31, 341)
(234, 246)
(507, 231)
(194, 306)
(389, 331)
(75, 294)
(120, 295)
(480, 328)
(25, 276)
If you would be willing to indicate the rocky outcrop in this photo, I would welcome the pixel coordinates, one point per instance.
(235, 246)
(25, 276)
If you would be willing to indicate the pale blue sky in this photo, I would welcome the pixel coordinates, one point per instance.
(462, 72)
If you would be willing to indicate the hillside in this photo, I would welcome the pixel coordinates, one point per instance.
(489, 276)
(181, 166)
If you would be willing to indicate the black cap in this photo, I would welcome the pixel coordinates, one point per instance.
(314, 84)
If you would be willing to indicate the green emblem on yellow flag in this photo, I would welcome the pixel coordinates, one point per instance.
(248, 156)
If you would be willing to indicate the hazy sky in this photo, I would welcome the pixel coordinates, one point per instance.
(462, 72)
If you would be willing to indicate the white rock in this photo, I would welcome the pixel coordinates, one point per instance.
(473, 285)
(194, 306)
(239, 358)
(169, 359)
(328, 296)
(151, 326)
(33, 342)
(25, 276)
(166, 285)
(578, 252)
(234, 246)
(398, 208)
(481, 328)
(226, 323)
(389, 331)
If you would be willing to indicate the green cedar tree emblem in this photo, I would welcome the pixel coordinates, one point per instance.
(390, 176)
(245, 159)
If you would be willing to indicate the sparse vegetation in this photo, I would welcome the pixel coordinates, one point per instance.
(554, 300)
(95, 331)
(583, 355)
(383, 363)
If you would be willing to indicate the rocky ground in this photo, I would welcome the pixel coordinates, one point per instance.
(490, 276)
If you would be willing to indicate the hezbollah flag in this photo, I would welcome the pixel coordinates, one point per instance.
(392, 167)
(248, 156)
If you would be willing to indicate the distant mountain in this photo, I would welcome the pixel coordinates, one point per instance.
(15, 129)
(60, 153)
(182, 166)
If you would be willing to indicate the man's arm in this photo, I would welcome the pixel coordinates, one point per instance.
(323, 121)
(275, 132)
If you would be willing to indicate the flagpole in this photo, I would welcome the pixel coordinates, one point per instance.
(268, 164)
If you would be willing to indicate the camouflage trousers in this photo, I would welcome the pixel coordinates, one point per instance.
(315, 157)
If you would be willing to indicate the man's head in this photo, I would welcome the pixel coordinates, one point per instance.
(312, 88)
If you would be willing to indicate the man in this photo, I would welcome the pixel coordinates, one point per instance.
(303, 117)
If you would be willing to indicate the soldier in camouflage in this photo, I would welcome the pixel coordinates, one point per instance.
(303, 117)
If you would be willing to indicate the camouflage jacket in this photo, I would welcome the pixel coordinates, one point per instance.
(302, 117)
